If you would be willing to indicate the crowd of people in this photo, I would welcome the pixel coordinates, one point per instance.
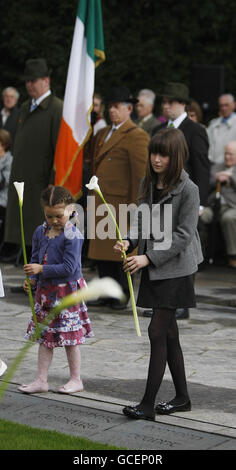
(20, 125)
(32, 129)
(142, 155)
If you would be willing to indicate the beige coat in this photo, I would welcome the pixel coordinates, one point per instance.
(120, 165)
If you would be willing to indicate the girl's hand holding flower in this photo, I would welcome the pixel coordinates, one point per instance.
(26, 286)
(134, 263)
(31, 269)
(119, 247)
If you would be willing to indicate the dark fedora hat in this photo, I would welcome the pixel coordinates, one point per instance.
(121, 95)
(176, 91)
(35, 68)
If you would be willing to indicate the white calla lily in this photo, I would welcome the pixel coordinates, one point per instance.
(20, 190)
(105, 287)
(93, 184)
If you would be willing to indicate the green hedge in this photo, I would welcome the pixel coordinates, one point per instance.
(147, 42)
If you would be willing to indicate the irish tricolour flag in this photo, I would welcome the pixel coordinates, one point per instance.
(86, 53)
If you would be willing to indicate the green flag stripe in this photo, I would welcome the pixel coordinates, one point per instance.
(90, 13)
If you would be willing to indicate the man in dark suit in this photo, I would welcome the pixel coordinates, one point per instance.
(10, 111)
(175, 97)
(33, 154)
(146, 120)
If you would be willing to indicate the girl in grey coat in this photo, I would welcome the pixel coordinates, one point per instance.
(169, 251)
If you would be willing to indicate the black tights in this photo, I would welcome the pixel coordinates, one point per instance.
(165, 348)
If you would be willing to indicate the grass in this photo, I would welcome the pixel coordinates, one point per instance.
(14, 436)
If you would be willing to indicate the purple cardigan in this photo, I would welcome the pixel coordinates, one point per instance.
(63, 254)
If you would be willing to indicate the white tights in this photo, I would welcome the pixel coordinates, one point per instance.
(45, 356)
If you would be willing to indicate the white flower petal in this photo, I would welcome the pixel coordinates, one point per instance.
(105, 287)
(20, 190)
(93, 184)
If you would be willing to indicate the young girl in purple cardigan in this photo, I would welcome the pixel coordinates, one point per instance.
(55, 271)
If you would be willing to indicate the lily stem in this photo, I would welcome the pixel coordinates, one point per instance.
(131, 290)
(31, 300)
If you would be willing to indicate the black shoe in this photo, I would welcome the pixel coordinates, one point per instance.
(97, 303)
(118, 305)
(135, 413)
(182, 313)
(168, 408)
(147, 313)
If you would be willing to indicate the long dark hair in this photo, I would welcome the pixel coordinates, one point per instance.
(166, 142)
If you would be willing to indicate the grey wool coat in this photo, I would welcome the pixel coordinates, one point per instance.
(178, 252)
(33, 156)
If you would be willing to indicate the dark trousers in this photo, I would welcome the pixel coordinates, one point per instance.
(115, 270)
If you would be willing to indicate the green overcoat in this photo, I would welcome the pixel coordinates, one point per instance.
(33, 156)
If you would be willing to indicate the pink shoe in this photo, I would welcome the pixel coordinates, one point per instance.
(34, 387)
(72, 386)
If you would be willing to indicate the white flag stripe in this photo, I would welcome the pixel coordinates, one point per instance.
(79, 86)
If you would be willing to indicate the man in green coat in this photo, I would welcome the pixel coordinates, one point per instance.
(33, 152)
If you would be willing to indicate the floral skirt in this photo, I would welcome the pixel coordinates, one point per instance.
(71, 326)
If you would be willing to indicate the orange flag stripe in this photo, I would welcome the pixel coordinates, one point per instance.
(68, 162)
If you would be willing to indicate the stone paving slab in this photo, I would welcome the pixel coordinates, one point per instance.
(105, 427)
(114, 369)
(216, 285)
(106, 372)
